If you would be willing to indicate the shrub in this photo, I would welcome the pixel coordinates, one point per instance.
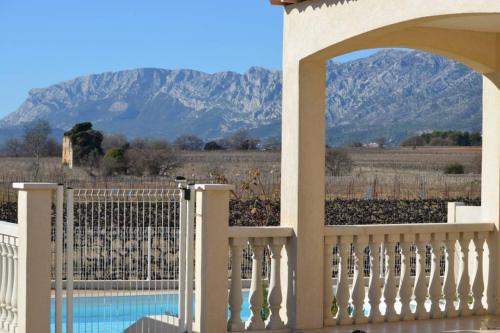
(150, 157)
(413, 141)
(114, 162)
(454, 169)
(338, 162)
(212, 145)
(188, 142)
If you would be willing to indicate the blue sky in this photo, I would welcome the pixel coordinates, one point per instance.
(45, 42)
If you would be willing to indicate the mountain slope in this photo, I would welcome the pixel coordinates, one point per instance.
(391, 93)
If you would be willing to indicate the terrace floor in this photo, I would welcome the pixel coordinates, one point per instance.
(450, 325)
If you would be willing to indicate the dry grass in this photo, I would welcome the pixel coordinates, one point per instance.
(401, 173)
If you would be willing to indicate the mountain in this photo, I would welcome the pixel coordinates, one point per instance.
(392, 93)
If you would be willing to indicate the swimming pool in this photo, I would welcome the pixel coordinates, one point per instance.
(113, 314)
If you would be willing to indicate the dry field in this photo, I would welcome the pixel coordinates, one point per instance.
(398, 173)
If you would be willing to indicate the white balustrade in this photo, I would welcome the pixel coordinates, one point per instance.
(274, 240)
(405, 290)
(358, 289)
(342, 296)
(374, 290)
(407, 281)
(478, 284)
(464, 282)
(390, 291)
(435, 278)
(275, 296)
(235, 324)
(8, 277)
(450, 286)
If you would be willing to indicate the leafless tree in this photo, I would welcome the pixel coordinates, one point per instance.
(381, 141)
(189, 142)
(13, 147)
(36, 137)
(151, 157)
(242, 140)
(114, 141)
(338, 162)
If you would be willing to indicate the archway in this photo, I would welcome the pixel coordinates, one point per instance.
(316, 30)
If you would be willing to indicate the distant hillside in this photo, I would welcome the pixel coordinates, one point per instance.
(392, 93)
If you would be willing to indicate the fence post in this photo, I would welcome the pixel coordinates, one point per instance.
(34, 219)
(212, 243)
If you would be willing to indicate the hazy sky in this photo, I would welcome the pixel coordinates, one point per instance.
(45, 42)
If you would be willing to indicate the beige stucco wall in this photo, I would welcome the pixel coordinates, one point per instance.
(67, 152)
(317, 30)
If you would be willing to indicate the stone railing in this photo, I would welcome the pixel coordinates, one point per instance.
(402, 282)
(274, 239)
(8, 278)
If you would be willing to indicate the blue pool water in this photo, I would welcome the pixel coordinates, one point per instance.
(114, 314)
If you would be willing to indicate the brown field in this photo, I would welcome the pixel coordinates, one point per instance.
(399, 173)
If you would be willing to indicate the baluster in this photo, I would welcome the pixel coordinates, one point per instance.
(435, 278)
(358, 288)
(374, 291)
(10, 285)
(327, 279)
(478, 284)
(420, 290)
(464, 282)
(450, 287)
(390, 291)
(491, 293)
(4, 280)
(405, 290)
(255, 321)
(274, 297)
(235, 324)
(343, 281)
(14, 294)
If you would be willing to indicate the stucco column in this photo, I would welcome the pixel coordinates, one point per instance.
(303, 190)
(490, 178)
(34, 218)
(212, 246)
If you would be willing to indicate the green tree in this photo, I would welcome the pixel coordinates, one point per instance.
(87, 144)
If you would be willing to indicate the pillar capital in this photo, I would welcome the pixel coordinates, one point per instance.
(35, 186)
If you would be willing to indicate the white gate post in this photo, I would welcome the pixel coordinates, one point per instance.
(212, 243)
(34, 219)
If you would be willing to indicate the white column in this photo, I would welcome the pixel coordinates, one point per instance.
(235, 324)
(255, 297)
(327, 279)
(34, 218)
(450, 286)
(435, 278)
(374, 289)
(405, 290)
(343, 295)
(303, 192)
(4, 281)
(420, 280)
(478, 284)
(275, 295)
(390, 291)
(212, 232)
(490, 176)
(358, 288)
(464, 281)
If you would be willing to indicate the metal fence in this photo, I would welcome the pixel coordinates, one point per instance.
(121, 260)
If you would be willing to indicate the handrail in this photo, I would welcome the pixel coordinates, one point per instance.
(9, 229)
(387, 229)
(260, 232)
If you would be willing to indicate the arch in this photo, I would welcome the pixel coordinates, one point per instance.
(317, 30)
